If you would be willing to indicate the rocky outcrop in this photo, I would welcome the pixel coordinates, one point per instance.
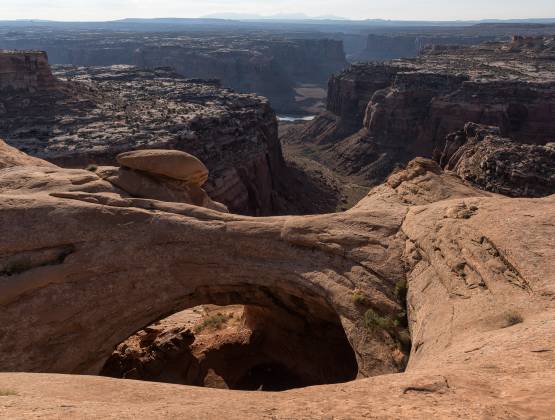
(23, 174)
(27, 71)
(167, 163)
(100, 112)
(264, 262)
(412, 105)
(479, 154)
(480, 271)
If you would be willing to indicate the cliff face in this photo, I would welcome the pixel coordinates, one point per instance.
(104, 111)
(243, 70)
(309, 60)
(27, 71)
(391, 46)
(410, 106)
(348, 95)
(261, 64)
(523, 110)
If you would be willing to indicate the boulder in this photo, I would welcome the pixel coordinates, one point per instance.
(170, 163)
(144, 185)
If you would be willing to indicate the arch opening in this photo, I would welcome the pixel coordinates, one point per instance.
(284, 342)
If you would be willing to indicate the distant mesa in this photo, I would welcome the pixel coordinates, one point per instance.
(25, 70)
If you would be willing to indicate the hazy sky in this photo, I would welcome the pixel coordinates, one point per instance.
(355, 9)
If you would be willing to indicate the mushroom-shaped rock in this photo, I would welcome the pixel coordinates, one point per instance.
(171, 163)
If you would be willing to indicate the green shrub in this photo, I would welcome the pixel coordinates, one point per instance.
(401, 290)
(216, 322)
(372, 321)
(359, 298)
(92, 168)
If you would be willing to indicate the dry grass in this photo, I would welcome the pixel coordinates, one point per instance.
(7, 392)
(512, 318)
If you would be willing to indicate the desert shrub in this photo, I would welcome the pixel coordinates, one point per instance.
(512, 318)
(359, 298)
(7, 392)
(92, 168)
(372, 321)
(401, 290)
(216, 322)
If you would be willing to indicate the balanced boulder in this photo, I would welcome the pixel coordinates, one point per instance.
(170, 163)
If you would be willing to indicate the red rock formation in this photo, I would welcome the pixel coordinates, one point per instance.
(478, 154)
(28, 70)
(411, 105)
(83, 269)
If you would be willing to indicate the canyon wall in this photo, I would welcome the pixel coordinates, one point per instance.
(391, 46)
(266, 65)
(382, 115)
(96, 113)
(25, 71)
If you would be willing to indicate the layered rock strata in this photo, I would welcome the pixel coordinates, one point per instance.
(265, 64)
(28, 70)
(97, 113)
(410, 106)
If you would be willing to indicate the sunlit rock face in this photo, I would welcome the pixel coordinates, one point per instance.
(382, 115)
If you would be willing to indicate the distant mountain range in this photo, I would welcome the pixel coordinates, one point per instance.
(278, 16)
(234, 19)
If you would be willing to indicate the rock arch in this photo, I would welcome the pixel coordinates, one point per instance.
(99, 267)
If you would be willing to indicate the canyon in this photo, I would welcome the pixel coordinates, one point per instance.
(400, 264)
(382, 115)
(270, 65)
(86, 116)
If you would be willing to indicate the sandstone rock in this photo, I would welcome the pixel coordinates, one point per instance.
(146, 185)
(27, 71)
(480, 271)
(10, 157)
(171, 163)
(383, 115)
(478, 154)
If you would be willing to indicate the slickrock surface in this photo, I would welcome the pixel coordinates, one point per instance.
(99, 266)
(105, 111)
(382, 115)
